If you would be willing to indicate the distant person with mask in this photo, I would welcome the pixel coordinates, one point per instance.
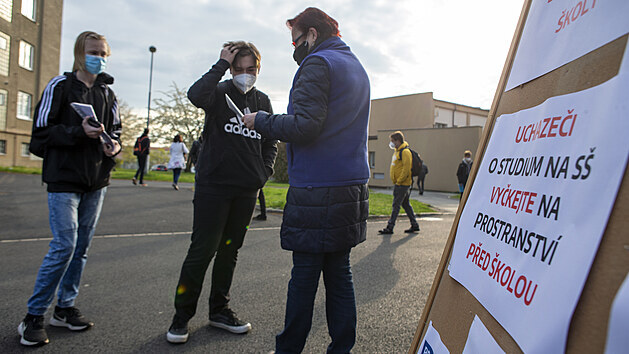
(401, 176)
(76, 170)
(327, 204)
(233, 165)
(143, 145)
(463, 172)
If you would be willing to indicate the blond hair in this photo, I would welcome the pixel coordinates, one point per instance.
(397, 136)
(245, 49)
(79, 48)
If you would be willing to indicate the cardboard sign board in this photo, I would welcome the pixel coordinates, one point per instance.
(582, 238)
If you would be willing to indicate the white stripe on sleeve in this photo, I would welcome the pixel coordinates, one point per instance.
(46, 101)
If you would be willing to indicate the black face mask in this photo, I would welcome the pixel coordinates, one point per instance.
(301, 52)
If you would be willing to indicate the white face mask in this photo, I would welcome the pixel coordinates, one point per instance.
(391, 145)
(468, 159)
(244, 82)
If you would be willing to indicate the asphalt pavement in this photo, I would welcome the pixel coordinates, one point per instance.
(129, 282)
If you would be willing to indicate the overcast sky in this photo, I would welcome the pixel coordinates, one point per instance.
(454, 48)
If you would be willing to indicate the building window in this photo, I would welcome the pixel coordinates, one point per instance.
(378, 176)
(5, 44)
(6, 8)
(440, 125)
(25, 151)
(3, 147)
(26, 55)
(3, 109)
(28, 9)
(24, 105)
(372, 159)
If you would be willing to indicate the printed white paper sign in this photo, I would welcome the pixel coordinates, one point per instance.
(479, 340)
(557, 32)
(617, 338)
(538, 208)
(432, 343)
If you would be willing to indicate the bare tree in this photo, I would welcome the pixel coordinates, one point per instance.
(174, 114)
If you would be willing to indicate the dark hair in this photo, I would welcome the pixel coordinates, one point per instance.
(245, 49)
(397, 136)
(325, 25)
(146, 131)
(177, 139)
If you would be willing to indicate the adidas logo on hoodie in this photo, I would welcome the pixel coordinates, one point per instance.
(235, 126)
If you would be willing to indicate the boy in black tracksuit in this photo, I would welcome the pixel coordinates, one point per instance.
(234, 163)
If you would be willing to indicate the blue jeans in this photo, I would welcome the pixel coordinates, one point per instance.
(73, 217)
(176, 173)
(340, 303)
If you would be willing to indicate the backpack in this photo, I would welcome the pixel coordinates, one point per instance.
(416, 164)
(137, 148)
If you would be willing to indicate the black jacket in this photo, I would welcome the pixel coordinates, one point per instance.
(463, 172)
(74, 162)
(144, 143)
(231, 154)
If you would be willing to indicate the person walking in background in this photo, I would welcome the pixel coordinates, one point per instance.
(76, 169)
(178, 151)
(194, 151)
(262, 215)
(400, 172)
(234, 163)
(463, 172)
(421, 177)
(327, 204)
(141, 149)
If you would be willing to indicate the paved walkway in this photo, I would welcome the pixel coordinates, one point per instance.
(438, 200)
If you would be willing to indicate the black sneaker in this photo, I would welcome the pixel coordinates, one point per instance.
(178, 331)
(413, 229)
(71, 318)
(32, 331)
(385, 231)
(261, 217)
(227, 320)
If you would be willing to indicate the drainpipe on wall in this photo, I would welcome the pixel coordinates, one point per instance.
(453, 111)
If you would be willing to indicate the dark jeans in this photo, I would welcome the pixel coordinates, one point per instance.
(400, 198)
(262, 202)
(420, 184)
(141, 167)
(176, 173)
(219, 227)
(340, 303)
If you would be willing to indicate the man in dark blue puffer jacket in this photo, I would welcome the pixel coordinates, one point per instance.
(327, 203)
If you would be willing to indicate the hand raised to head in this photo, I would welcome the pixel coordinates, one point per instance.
(229, 52)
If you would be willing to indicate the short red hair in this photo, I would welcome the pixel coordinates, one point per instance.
(325, 25)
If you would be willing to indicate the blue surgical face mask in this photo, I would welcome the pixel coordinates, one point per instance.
(94, 64)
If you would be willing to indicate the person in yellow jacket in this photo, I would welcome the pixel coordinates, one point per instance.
(401, 164)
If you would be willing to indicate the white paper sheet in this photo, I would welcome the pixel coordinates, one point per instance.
(557, 32)
(480, 341)
(538, 208)
(432, 343)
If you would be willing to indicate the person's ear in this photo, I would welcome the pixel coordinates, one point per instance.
(313, 33)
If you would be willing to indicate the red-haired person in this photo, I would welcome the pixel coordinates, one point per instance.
(76, 169)
(327, 203)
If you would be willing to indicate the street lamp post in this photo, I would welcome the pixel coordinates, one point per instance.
(152, 49)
